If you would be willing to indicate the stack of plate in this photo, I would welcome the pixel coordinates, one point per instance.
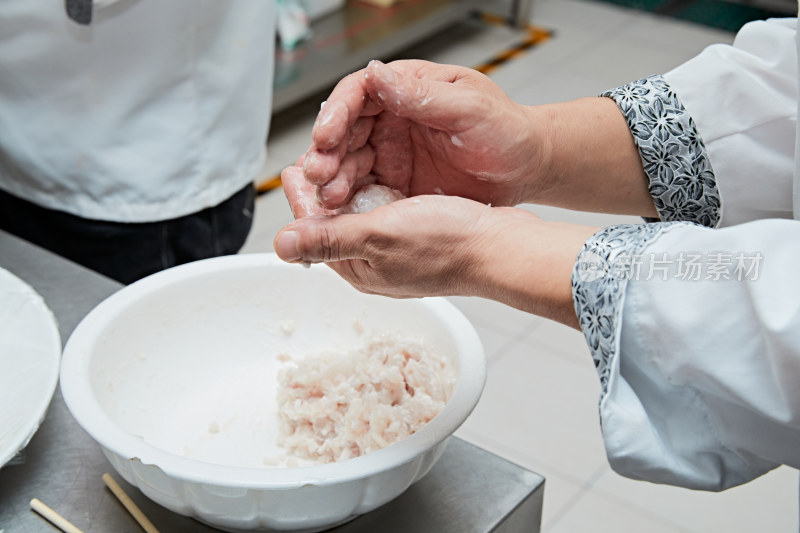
(30, 352)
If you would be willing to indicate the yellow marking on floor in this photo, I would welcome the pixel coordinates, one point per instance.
(272, 183)
(534, 37)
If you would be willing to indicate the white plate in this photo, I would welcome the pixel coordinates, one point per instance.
(30, 352)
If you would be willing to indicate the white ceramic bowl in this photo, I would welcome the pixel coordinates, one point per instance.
(174, 376)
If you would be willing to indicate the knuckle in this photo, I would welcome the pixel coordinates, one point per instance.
(329, 243)
(375, 245)
(425, 90)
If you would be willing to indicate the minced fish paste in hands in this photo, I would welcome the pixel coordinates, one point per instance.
(338, 405)
(371, 197)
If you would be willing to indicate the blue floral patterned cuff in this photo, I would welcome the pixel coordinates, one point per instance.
(675, 160)
(605, 265)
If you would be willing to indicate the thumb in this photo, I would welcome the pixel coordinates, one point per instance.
(437, 104)
(325, 239)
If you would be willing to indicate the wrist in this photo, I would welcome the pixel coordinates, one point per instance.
(539, 175)
(589, 161)
(536, 276)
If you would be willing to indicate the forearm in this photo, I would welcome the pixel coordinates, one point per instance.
(590, 160)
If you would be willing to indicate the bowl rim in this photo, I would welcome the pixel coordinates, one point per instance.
(79, 397)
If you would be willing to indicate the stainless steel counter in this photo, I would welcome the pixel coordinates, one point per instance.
(469, 489)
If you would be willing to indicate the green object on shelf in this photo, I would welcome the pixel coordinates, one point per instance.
(723, 15)
(720, 14)
(643, 5)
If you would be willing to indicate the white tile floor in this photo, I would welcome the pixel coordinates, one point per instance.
(539, 407)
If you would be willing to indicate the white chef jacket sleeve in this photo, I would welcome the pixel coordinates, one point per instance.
(695, 332)
(711, 128)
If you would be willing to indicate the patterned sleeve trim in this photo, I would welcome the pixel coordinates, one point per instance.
(681, 180)
(607, 261)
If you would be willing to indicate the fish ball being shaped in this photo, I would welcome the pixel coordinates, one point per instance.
(371, 197)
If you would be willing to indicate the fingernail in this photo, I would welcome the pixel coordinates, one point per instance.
(323, 117)
(287, 246)
(386, 74)
(372, 63)
(326, 115)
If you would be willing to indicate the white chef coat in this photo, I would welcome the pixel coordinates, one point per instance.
(701, 379)
(153, 111)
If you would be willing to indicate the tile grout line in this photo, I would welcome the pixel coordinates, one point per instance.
(561, 512)
(591, 483)
(505, 349)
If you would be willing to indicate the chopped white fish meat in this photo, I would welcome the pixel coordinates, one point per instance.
(334, 406)
(371, 197)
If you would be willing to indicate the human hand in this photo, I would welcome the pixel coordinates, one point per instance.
(438, 245)
(423, 128)
(422, 246)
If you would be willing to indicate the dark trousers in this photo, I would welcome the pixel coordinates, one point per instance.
(127, 252)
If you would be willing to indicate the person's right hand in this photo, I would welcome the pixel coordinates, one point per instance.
(434, 245)
(424, 128)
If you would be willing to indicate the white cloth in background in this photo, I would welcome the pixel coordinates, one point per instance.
(153, 111)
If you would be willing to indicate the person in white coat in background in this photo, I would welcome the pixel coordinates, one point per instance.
(692, 317)
(131, 132)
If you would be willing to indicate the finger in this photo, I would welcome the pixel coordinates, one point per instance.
(442, 105)
(300, 193)
(358, 135)
(331, 124)
(419, 68)
(393, 152)
(323, 239)
(348, 101)
(320, 166)
(354, 167)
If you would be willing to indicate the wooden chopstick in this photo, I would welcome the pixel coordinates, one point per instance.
(56, 519)
(132, 508)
